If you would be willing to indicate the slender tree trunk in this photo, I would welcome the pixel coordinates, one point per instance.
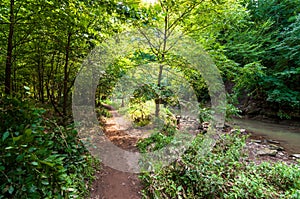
(49, 76)
(8, 67)
(48, 90)
(56, 85)
(65, 92)
(161, 67)
(158, 100)
(34, 86)
(43, 80)
(14, 85)
(40, 78)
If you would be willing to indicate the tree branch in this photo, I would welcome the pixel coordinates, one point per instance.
(186, 12)
(152, 47)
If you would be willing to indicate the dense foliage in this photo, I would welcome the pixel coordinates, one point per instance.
(265, 49)
(254, 43)
(45, 43)
(40, 159)
(221, 173)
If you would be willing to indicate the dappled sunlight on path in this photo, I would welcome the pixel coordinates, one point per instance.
(112, 183)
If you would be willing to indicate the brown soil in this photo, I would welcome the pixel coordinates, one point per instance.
(111, 183)
(114, 184)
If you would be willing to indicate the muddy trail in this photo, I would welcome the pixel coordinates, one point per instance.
(111, 183)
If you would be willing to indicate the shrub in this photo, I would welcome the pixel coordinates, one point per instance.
(40, 159)
(221, 173)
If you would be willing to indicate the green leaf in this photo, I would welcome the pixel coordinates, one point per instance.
(45, 182)
(179, 188)
(35, 163)
(31, 149)
(71, 189)
(17, 138)
(28, 132)
(5, 135)
(26, 88)
(20, 157)
(47, 163)
(11, 189)
(32, 189)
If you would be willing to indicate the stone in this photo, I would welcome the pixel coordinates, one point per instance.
(296, 156)
(243, 130)
(205, 124)
(273, 141)
(280, 153)
(276, 147)
(267, 152)
(234, 130)
(226, 125)
(256, 141)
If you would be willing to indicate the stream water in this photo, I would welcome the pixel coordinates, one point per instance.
(288, 136)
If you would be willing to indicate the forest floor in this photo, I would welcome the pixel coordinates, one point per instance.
(111, 183)
(114, 184)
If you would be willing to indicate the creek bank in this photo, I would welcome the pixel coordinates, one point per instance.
(260, 109)
(287, 134)
(261, 148)
(292, 123)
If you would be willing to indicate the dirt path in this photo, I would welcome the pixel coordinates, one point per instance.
(111, 183)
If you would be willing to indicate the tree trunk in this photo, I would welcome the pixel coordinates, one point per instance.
(14, 85)
(65, 92)
(43, 80)
(158, 100)
(40, 76)
(8, 67)
(49, 76)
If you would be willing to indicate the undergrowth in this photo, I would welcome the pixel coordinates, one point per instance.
(40, 159)
(221, 173)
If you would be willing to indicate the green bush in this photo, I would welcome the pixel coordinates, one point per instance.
(101, 111)
(222, 173)
(40, 159)
(157, 140)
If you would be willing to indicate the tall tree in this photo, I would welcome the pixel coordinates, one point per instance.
(46, 42)
(173, 16)
(8, 67)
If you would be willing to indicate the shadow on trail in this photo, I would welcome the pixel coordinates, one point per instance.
(112, 183)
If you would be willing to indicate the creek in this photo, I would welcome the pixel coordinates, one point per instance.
(288, 136)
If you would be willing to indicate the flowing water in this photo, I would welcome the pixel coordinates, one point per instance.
(288, 136)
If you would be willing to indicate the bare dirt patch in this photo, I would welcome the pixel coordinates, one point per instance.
(114, 184)
(111, 183)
